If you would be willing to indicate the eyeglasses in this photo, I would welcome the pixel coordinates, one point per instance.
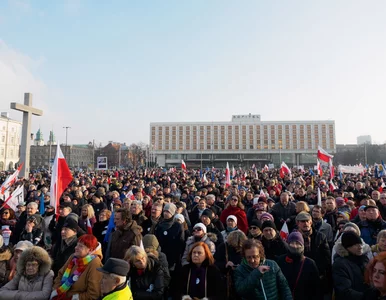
(32, 265)
(235, 199)
(254, 257)
(197, 229)
(253, 227)
(5, 213)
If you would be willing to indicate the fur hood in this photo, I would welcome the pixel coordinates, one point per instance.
(342, 252)
(5, 253)
(35, 253)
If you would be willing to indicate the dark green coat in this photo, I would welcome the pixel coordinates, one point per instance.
(252, 284)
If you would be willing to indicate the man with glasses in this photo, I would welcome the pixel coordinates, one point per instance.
(382, 205)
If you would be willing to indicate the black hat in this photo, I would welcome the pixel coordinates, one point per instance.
(71, 224)
(256, 222)
(69, 196)
(268, 223)
(209, 213)
(370, 206)
(65, 204)
(98, 194)
(116, 266)
(350, 238)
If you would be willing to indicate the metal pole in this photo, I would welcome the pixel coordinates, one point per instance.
(93, 154)
(365, 154)
(66, 155)
(119, 157)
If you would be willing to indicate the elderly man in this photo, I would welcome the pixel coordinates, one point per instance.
(372, 225)
(32, 209)
(284, 211)
(137, 212)
(113, 284)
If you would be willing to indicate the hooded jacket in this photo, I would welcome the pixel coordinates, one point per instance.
(347, 274)
(38, 288)
(88, 283)
(191, 241)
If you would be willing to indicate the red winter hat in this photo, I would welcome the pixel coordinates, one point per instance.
(89, 241)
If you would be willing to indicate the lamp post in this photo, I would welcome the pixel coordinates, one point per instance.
(280, 152)
(67, 127)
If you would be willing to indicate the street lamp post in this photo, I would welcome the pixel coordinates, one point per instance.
(280, 152)
(67, 127)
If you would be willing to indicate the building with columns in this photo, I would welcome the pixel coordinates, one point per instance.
(244, 141)
(10, 139)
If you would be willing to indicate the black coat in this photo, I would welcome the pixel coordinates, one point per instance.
(149, 285)
(282, 213)
(215, 289)
(308, 285)
(320, 252)
(347, 274)
(274, 248)
(220, 257)
(60, 256)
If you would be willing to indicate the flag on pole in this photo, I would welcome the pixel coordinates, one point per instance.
(183, 165)
(15, 198)
(319, 168)
(332, 171)
(233, 172)
(227, 176)
(41, 205)
(266, 168)
(323, 155)
(89, 227)
(10, 180)
(60, 179)
(284, 232)
(319, 197)
(284, 170)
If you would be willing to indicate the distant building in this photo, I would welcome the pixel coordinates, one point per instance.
(244, 141)
(77, 156)
(10, 140)
(364, 139)
(117, 155)
(39, 141)
(51, 139)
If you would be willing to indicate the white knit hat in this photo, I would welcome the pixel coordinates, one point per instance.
(179, 217)
(202, 226)
(233, 218)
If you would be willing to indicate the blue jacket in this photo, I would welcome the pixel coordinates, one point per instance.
(251, 284)
(370, 230)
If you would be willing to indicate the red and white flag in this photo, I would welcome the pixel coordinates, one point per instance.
(183, 165)
(332, 171)
(89, 227)
(15, 198)
(284, 232)
(323, 155)
(233, 172)
(262, 194)
(284, 170)
(60, 179)
(319, 168)
(10, 180)
(266, 168)
(227, 176)
(332, 186)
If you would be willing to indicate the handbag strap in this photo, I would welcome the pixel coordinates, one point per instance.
(297, 279)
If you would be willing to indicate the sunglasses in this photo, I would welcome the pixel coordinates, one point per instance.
(235, 199)
(253, 227)
(197, 229)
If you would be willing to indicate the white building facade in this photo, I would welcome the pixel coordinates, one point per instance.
(10, 139)
(244, 141)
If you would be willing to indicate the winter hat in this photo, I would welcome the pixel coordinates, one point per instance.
(150, 241)
(269, 224)
(22, 245)
(89, 241)
(255, 222)
(179, 217)
(350, 226)
(171, 208)
(339, 201)
(71, 224)
(350, 238)
(202, 226)
(233, 218)
(208, 212)
(266, 215)
(73, 216)
(343, 214)
(295, 236)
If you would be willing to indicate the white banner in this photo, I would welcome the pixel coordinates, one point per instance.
(351, 169)
(16, 198)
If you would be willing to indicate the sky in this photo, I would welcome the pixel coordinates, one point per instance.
(107, 69)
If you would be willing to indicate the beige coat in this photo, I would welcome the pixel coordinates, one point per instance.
(88, 286)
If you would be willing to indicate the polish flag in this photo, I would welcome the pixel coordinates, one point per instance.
(10, 180)
(319, 168)
(16, 197)
(332, 186)
(332, 171)
(319, 197)
(183, 165)
(284, 170)
(60, 179)
(262, 194)
(233, 172)
(323, 155)
(284, 232)
(227, 176)
(89, 227)
(266, 168)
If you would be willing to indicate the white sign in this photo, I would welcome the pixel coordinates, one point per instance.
(102, 163)
(351, 169)
(271, 166)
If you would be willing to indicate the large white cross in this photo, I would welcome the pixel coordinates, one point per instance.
(28, 111)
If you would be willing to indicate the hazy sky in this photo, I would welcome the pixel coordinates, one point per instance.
(109, 68)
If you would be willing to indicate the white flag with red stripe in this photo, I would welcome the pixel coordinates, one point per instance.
(284, 232)
(332, 171)
(323, 155)
(15, 198)
(284, 170)
(319, 168)
(233, 172)
(60, 179)
(183, 165)
(227, 176)
(89, 227)
(10, 180)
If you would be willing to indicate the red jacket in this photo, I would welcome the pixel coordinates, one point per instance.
(240, 214)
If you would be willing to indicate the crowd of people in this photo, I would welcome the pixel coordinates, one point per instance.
(159, 234)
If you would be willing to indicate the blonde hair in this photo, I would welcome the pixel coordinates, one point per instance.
(302, 206)
(90, 211)
(133, 252)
